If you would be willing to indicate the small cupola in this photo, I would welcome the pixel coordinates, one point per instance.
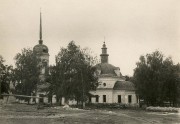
(104, 55)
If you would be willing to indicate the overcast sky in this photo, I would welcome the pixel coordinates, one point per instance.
(131, 27)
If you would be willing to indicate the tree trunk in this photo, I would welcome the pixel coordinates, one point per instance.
(83, 105)
(0, 88)
(50, 98)
(77, 102)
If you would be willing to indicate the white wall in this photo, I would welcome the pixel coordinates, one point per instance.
(100, 93)
(112, 96)
(115, 96)
(124, 96)
(108, 80)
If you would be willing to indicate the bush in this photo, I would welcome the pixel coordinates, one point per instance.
(111, 105)
(163, 109)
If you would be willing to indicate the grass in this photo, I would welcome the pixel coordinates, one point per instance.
(29, 114)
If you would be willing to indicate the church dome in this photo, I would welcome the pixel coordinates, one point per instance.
(40, 48)
(106, 69)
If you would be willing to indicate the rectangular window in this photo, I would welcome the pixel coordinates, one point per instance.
(119, 98)
(89, 99)
(104, 98)
(129, 98)
(97, 98)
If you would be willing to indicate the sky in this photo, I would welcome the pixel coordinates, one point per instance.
(131, 28)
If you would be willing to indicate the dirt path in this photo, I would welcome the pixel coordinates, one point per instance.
(28, 114)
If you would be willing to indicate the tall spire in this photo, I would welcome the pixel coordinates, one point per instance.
(40, 30)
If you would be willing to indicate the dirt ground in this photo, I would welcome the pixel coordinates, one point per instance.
(28, 114)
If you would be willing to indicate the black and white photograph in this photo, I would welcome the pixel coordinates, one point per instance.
(89, 61)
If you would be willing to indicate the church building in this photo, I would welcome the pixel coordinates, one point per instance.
(112, 85)
(113, 88)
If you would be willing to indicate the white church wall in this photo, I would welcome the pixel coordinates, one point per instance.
(112, 96)
(109, 82)
(72, 102)
(124, 96)
(63, 101)
(45, 100)
(54, 99)
(93, 99)
(132, 93)
(100, 93)
(115, 96)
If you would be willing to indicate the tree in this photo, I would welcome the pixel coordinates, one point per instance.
(128, 78)
(5, 76)
(54, 87)
(156, 79)
(26, 73)
(74, 73)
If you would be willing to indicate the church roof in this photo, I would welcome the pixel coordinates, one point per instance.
(124, 85)
(106, 69)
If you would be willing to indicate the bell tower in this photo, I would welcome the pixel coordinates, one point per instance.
(41, 52)
(104, 55)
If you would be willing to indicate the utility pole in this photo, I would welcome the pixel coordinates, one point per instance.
(83, 103)
(0, 85)
(50, 92)
(1, 76)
